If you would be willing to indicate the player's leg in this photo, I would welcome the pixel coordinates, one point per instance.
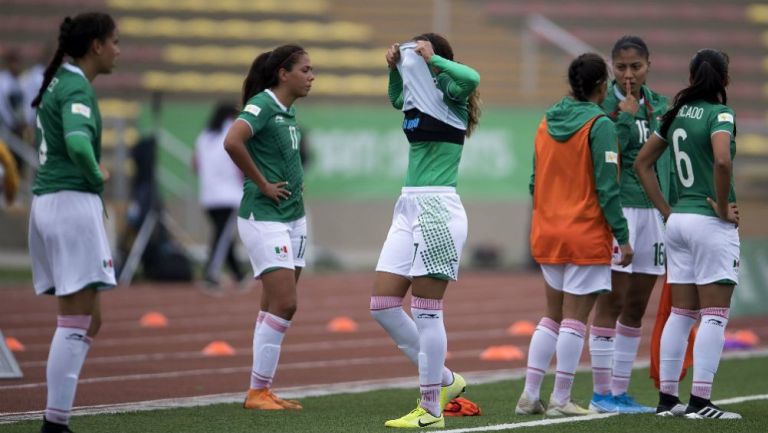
(602, 337)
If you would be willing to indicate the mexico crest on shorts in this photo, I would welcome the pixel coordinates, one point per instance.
(281, 252)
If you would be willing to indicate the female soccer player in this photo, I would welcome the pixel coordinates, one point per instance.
(264, 143)
(71, 258)
(635, 110)
(429, 227)
(701, 236)
(576, 212)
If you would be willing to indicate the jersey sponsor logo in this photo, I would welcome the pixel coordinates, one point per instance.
(725, 117)
(428, 316)
(611, 157)
(81, 109)
(279, 119)
(75, 337)
(281, 252)
(253, 109)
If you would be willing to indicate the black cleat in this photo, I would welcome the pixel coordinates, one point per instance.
(701, 408)
(669, 405)
(52, 427)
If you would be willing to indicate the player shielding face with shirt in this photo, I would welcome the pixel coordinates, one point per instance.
(70, 253)
(429, 227)
(264, 143)
(702, 239)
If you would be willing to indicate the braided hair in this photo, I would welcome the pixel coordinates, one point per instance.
(585, 74)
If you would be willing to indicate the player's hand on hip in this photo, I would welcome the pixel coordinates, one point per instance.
(730, 215)
(627, 254)
(276, 191)
(104, 172)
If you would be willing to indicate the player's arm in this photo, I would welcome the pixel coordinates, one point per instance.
(463, 79)
(644, 167)
(234, 143)
(605, 163)
(79, 125)
(723, 128)
(395, 88)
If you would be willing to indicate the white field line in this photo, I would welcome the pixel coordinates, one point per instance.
(355, 387)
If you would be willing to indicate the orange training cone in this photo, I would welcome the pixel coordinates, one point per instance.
(218, 348)
(522, 328)
(153, 319)
(14, 345)
(342, 324)
(502, 353)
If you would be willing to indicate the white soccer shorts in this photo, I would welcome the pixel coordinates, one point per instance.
(273, 244)
(646, 235)
(578, 279)
(701, 250)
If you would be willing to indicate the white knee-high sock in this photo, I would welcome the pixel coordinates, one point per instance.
(65, 360)
(707, 349)
(388, 312)
(569, 346)
(433, 344)
(624, 354)
(540, 353)
(266, 350)
(601, 345)
(674, 342)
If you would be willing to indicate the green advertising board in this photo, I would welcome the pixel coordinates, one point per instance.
(360, 153)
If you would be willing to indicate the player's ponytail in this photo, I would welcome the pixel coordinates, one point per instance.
(75, 37)
(265, 67)
(474, 112)
(708, 77)
(585, 74)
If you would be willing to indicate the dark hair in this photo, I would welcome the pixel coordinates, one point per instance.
(709, 76)
(75, 37)
(585, 74)
(442, 48)
(629, 42)
(264, 69)
(222, 112)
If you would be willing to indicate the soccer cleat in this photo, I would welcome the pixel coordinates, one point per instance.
(527, 407)
(603, 403)
(626, 404)
(569, 408)
(52, 427)
(455, 389)
(417, 418)
(262, 399)
(669, 405)
(699, 408)
(288, 404)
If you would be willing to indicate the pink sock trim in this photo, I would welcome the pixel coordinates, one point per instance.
(260, 318)
(693, 314)
(602, 332)
(385, 302)
(550, 324)
(669, 387)
(57, 416)
(278, 324)
(702, 389)
(628, 331)
(426, 304)
(716, 311)
(260, 382)
(574, 325)
(77, 322)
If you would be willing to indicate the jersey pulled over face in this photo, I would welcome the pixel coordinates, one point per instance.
(68, 107)
(274, 148)
(689, 136)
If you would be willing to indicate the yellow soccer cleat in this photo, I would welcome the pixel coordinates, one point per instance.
(417, 418)
(569, 408)
(455, 389)
(526, 406)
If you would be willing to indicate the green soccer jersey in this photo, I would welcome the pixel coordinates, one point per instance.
(436, 163)
(689, 136)
(274, 148)
(632, 132)
(68, 107)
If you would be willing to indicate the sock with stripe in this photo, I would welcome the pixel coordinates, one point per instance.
(266, 350)
(388, 312)
(69, 348)
(624, 354)
(674, 342)
(433, 344)
(540, 353)
(570, 342)
(601, 345)
(707, 350)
